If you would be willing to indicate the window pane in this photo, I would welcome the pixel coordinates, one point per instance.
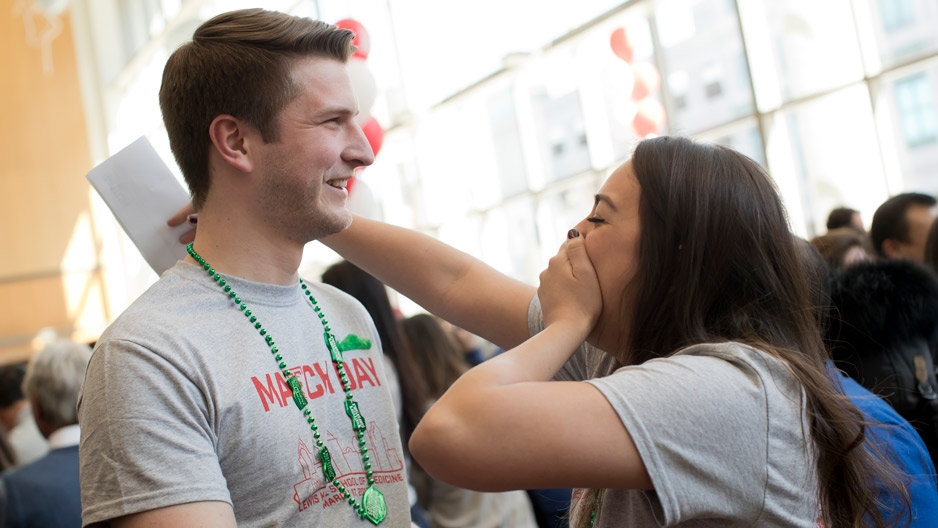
(907, 114)
(707, 77)
(742, 136)
(826, 156)
(509, 159)
(558, 118)
(903, 29)
(814, 45)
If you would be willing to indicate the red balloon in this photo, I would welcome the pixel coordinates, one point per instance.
(647, 80)
(619, 42)
(362, 40)
(374, 134)
(649, 117)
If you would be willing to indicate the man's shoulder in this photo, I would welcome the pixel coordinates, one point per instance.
(174, 296)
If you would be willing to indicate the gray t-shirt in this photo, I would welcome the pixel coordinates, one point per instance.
(722, 430)
(184, 402)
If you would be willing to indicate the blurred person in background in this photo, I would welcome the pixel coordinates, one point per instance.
(842, 247)
(16, 417)
(442, 361)
(45, 493)
(900, 226)
(889, 433)
(845, 217)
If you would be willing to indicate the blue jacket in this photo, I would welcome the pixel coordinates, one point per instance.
(45, 493)
(900, 440)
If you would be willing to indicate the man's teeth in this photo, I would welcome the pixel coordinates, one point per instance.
(340, 184)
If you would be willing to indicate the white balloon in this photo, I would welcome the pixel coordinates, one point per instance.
(364, 86)
(362, 200)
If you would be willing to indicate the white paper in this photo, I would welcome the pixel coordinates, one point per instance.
(142, 193)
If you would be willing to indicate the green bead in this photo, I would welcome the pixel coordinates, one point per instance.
(309, 420)
(366, 458)
(317, 309)
(346, 494)
(222, 283)
(283, 365)
(316, 435)
(227, 287)
(367, 466)
(232, 295)
(327, 329)
(243, 306)
(263, 331)
(275, 350)
(324, 322)
(351, 500)
(364, 449)
(307, 412)
(362, 443)
(257, 325)
(216, 276)
(238, 301)
(247, 312)
(207, 268)
(371, 480)
(278, 357)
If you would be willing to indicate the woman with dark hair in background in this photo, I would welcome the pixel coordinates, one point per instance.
(692, 385)
(842, 247)
(408, 390)
(442, 361)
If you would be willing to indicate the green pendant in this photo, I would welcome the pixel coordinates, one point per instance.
(375, 508)
(358, 421)
(297, 389)
(327, 470)
(333, 347)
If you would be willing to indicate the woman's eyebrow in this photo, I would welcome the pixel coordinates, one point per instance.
(606, 200)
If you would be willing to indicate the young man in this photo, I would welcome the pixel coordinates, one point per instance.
(900, 226)
(231, 393)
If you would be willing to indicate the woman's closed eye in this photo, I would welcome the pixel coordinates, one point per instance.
(595, 220)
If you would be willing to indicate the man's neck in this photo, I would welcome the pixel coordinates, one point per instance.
(246, 252)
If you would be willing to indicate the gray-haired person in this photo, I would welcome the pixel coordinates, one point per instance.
(46, 492)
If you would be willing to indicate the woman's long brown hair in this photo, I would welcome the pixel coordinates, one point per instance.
(718, 264)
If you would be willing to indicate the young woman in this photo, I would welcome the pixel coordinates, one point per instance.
(692, 387)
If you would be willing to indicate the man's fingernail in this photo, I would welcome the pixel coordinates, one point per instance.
(573, 233)
(193, 219)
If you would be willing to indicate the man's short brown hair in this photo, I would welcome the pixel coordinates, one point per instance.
(238, 63)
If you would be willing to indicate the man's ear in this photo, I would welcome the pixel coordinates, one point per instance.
(892, 248)
(230, 137)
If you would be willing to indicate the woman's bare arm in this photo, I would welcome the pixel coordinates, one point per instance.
(445, 281)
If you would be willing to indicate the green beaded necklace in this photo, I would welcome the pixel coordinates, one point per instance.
(373, 506)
